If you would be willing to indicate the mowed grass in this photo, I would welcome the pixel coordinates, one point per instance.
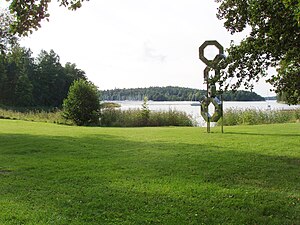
(54, 174)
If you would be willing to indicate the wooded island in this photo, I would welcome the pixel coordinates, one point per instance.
(171, 93)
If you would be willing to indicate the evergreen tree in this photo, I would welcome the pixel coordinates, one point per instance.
(25, 81)
(23, 91)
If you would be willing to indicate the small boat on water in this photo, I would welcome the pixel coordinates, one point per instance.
(195, 104)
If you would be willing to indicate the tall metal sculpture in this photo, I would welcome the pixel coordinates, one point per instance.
(211, 96)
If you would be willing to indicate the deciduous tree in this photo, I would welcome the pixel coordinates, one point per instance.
(83, 103)
(274, 41)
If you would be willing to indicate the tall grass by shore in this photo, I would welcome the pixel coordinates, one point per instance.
(137, 118)
(234, 117)
(36, 115)
(110, 117)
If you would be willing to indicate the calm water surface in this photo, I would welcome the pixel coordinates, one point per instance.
(194, 111)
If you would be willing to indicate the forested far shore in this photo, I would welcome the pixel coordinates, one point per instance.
(171, 93)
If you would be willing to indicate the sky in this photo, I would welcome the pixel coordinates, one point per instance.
(136, 43)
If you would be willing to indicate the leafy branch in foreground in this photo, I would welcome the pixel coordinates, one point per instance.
(7, 39)
(29, 14)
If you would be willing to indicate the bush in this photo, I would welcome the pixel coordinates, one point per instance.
(82, 104)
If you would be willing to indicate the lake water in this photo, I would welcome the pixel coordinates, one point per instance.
(194, 111)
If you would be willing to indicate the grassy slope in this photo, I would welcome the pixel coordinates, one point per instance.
(74, 175)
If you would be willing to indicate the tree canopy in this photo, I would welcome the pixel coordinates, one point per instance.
(41, 81)
(82, 104)
(28, 14)
(274, 41)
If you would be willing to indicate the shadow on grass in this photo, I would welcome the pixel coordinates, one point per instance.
(107, 179)
(264, 134)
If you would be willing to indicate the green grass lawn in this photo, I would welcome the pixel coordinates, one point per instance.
(54, 174)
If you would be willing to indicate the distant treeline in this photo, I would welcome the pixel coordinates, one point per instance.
(41, 81)
(153, 93)
(171, 93)
(272, 98)
(242, 96)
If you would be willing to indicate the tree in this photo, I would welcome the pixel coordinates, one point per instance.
(18, 65)
(3, 77)
(274, 41)
(23, 91)
(7, 39)
(73, 73)
(295, 5)
(83, 103)
(29, 13)
(41, 81)
(50, 80)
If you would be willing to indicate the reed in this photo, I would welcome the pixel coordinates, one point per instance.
(110, 117)
(136, 118)
(234, 117)
(36, 115)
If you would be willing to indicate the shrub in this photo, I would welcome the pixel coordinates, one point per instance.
(82, 104)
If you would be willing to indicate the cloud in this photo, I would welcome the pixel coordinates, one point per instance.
(150, 54)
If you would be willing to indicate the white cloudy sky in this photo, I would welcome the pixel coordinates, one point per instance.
(135, 43)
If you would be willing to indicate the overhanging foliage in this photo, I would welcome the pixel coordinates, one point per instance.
(29, 13)
(274, 41)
